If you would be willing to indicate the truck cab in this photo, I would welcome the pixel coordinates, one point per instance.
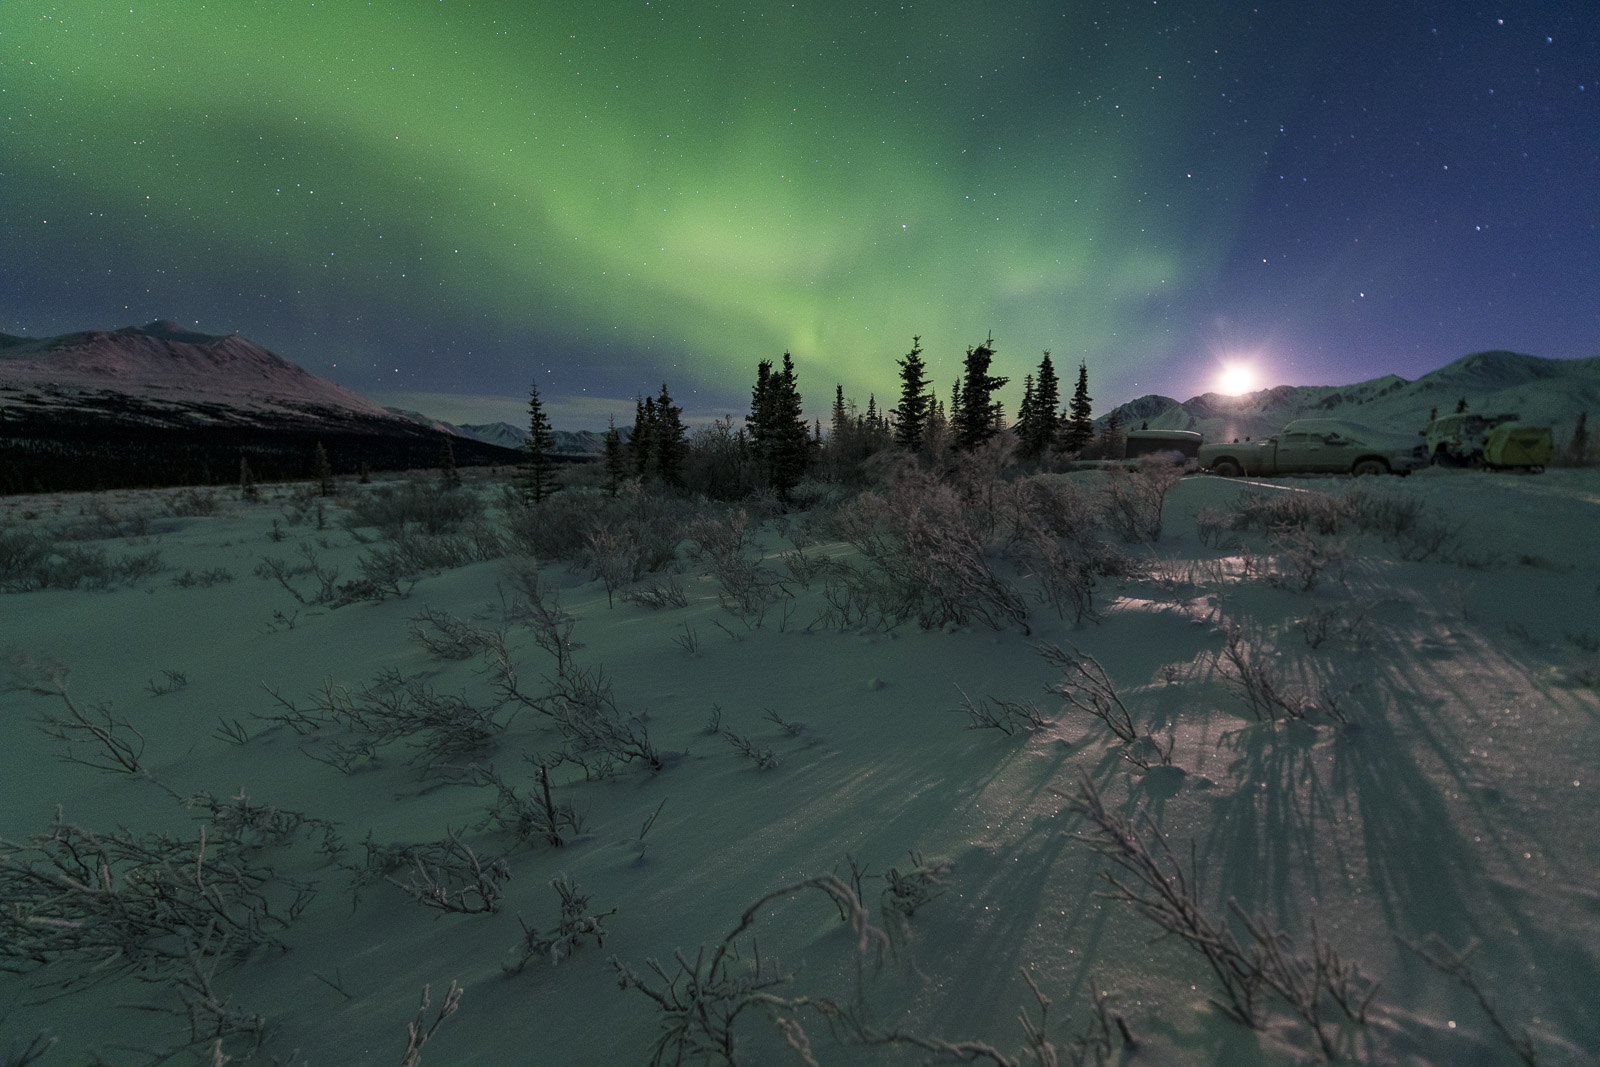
(1317, 446)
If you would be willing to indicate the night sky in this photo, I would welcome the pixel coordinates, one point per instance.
(435, 202)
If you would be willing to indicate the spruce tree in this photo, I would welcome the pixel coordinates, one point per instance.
(322, 471)
(1026, 433)
(841, 415)
(615, 463)
(791, 446)
(537, 474)
(794, 451)
(643, 437)
(976, 418)
(911, 416)
(780, 438)
(1079, 429)
(1047, 402)
(247, 481)
(761, 421)
(669, 438)
(1113, 439)
(449, 477)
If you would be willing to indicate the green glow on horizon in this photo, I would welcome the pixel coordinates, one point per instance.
(708, 183)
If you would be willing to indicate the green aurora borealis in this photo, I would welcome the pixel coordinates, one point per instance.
(444, 196)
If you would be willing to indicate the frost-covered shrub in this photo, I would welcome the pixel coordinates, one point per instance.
(1268, 511)
(1055, 531)
(1059, 509)
(190, 502)
(926, 546)
(646, 518)
(1301, 558)
(717, 464)
(577, 922)
(1211, 525)
(1134, 499)
(415, 505)
(722, 546)
(32, 560)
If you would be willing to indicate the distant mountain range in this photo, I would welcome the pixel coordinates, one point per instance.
(584, 444)
(162, 405)
(1549, 392)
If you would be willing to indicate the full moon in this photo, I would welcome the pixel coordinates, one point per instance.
(1236, 378)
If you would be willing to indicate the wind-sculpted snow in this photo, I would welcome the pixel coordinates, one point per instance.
(1330, 735)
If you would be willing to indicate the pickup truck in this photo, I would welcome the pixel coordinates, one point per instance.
(1317, 446)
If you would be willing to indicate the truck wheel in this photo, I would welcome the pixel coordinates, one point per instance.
(1226, 468)
(1370, 466)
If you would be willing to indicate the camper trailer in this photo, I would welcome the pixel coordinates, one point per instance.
(1182, 445)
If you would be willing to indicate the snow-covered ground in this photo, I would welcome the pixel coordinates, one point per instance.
(1456, 806)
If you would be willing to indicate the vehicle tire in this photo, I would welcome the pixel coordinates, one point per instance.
(1369, 466)
(1226, 468)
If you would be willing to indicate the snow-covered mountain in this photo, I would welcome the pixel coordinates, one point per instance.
(580, 443)
(1550, 392)
(164, 365)
(161, 405)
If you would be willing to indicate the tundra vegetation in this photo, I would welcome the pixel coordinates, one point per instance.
(654, 760)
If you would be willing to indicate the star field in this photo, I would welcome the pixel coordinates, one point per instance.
(449, 197)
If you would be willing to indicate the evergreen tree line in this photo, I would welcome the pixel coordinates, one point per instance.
(775, 448)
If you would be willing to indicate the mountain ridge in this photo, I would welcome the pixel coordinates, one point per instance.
(1550, 392)
(162, 362)
(162, 405)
